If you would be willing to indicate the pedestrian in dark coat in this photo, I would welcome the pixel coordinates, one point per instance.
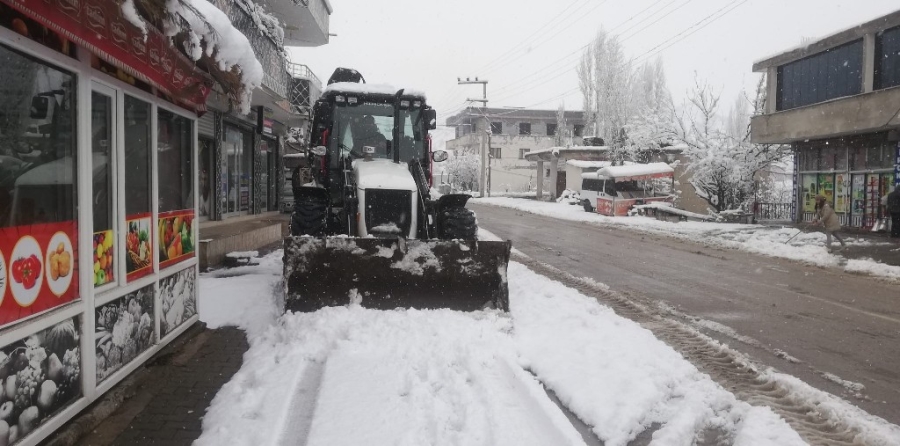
(829, 220)
(893, 209)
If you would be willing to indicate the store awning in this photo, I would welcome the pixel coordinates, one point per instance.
(637, 172)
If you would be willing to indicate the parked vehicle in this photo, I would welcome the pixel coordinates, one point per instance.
(614, 190)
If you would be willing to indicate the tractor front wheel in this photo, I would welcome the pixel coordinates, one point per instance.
(457, 223)
(308, 218)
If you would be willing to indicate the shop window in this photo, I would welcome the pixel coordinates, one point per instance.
(21, 24)
(238, 150)
(810, 160)
(104, 252)
(857, 158)
(206, 177)
(174, 153)
(826, 158)
(38, 236)
(810, 190)
(887, 59)
(139, 252)
(841, 161)
(879, 158)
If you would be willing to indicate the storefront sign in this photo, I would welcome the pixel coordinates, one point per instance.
(265, 119)
(897, 166)
(176, 237)
(39, 269)
(99, 26)
(138, 251)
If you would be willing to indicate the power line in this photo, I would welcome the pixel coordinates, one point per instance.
(675, 39)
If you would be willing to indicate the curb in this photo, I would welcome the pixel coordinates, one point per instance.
(108, 403)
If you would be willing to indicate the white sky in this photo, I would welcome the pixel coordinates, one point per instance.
(528, 49)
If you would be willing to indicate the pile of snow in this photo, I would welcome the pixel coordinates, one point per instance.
(766, 240)
(348, 375)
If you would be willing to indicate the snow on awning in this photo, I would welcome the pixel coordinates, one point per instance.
(637, 172)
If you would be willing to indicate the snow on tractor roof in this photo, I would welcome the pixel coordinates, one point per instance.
(352, 87)
(637, 171)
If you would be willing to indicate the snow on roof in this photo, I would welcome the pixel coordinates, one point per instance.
(353, 87)
(588, 164)
(226, 44)
(561, 151)
(636, 171)
(294, 155)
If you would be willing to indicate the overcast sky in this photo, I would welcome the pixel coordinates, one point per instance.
(528, 49)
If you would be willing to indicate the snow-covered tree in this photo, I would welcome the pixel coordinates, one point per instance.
(604, 77)
(649, 128)
(561, 138)
(724, 164)
(463, 171)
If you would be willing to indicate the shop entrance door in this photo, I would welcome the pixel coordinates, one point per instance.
(237, 150)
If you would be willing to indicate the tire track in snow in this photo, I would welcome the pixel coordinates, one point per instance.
(809, 412)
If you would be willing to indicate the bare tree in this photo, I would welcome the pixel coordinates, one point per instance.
(604, 76)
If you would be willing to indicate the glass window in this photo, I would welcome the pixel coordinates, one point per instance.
(37, 186)
(551, 129)
(831, 74)
(522, 153)
(524, 128)
(826, 157)
(841, 161)
(887, 59)
(238, 148)
(176, 167)
(206, 176)
(496, 128)
(875, 158)
(810, 160)
(102, 190)
(857, 158)
(139, 254)
(579, 130)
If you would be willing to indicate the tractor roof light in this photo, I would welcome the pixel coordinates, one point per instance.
(339, 99)
(417, 104)
(404, 103)
(352, 100)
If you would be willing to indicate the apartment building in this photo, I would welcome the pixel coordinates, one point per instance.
(513, 133)
(837, 103)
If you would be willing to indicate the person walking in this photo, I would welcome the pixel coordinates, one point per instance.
(893, 209)
(829, 220)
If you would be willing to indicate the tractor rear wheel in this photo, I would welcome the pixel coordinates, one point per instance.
(457, 223)
(308, 218)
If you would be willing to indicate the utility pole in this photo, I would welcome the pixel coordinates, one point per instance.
(485, 140)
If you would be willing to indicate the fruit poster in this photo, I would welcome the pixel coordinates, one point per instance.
(859, 195)
(124, 329)
(810, 190)
(38, 269)
(826, 188)
(179, 299)
(104, 254)
(41, 374)
(842, 193)
(176, 237)
(138, 251)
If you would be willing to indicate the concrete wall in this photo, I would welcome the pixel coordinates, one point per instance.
(869, 112)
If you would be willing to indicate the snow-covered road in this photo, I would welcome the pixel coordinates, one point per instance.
(355, 376)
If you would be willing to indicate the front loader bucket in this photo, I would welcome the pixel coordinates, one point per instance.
(395, 273)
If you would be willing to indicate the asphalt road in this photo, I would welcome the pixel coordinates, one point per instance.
(806, 321)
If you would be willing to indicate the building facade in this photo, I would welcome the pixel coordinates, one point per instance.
(837, 103)
(513, 133)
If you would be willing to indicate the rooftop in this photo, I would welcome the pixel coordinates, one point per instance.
(513, 113)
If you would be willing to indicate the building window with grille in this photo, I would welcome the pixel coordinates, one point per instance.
(496, 128)
(495, 152)
(522, 153)
(524, 128)
(551, 129)
(887, 59)
(579, 130)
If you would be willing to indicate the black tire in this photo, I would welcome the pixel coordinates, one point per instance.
(308, 218)
(587, 206)
(457, 223)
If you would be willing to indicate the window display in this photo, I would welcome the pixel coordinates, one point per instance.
(810, 189)
(102, 193)
(176, 192)
(139, 255)
(38, 236)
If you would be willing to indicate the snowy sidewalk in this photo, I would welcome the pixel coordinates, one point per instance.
(865, 254)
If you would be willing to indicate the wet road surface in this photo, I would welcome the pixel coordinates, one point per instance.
(836, 331)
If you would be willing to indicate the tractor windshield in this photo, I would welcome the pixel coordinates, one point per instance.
(371, 124)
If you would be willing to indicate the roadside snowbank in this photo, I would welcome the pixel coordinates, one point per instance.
(765, 240)
(349, 375)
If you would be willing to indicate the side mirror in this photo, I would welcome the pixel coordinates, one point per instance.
(439, 156)
(40, 107)
(319, 150)
(430, 118)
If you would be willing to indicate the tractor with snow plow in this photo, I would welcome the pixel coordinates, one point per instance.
(369, 229)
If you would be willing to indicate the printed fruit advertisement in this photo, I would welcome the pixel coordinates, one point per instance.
(39, 375)
(176, 237)
(38, 269)
(179, 299)
(124, 329)
(138, 251)
(104, 254)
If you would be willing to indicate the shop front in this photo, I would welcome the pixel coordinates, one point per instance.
(852, 173)
(98, 205)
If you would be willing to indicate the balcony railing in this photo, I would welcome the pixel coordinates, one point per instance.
(773, 211)
(269, 53)
(306, 88)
